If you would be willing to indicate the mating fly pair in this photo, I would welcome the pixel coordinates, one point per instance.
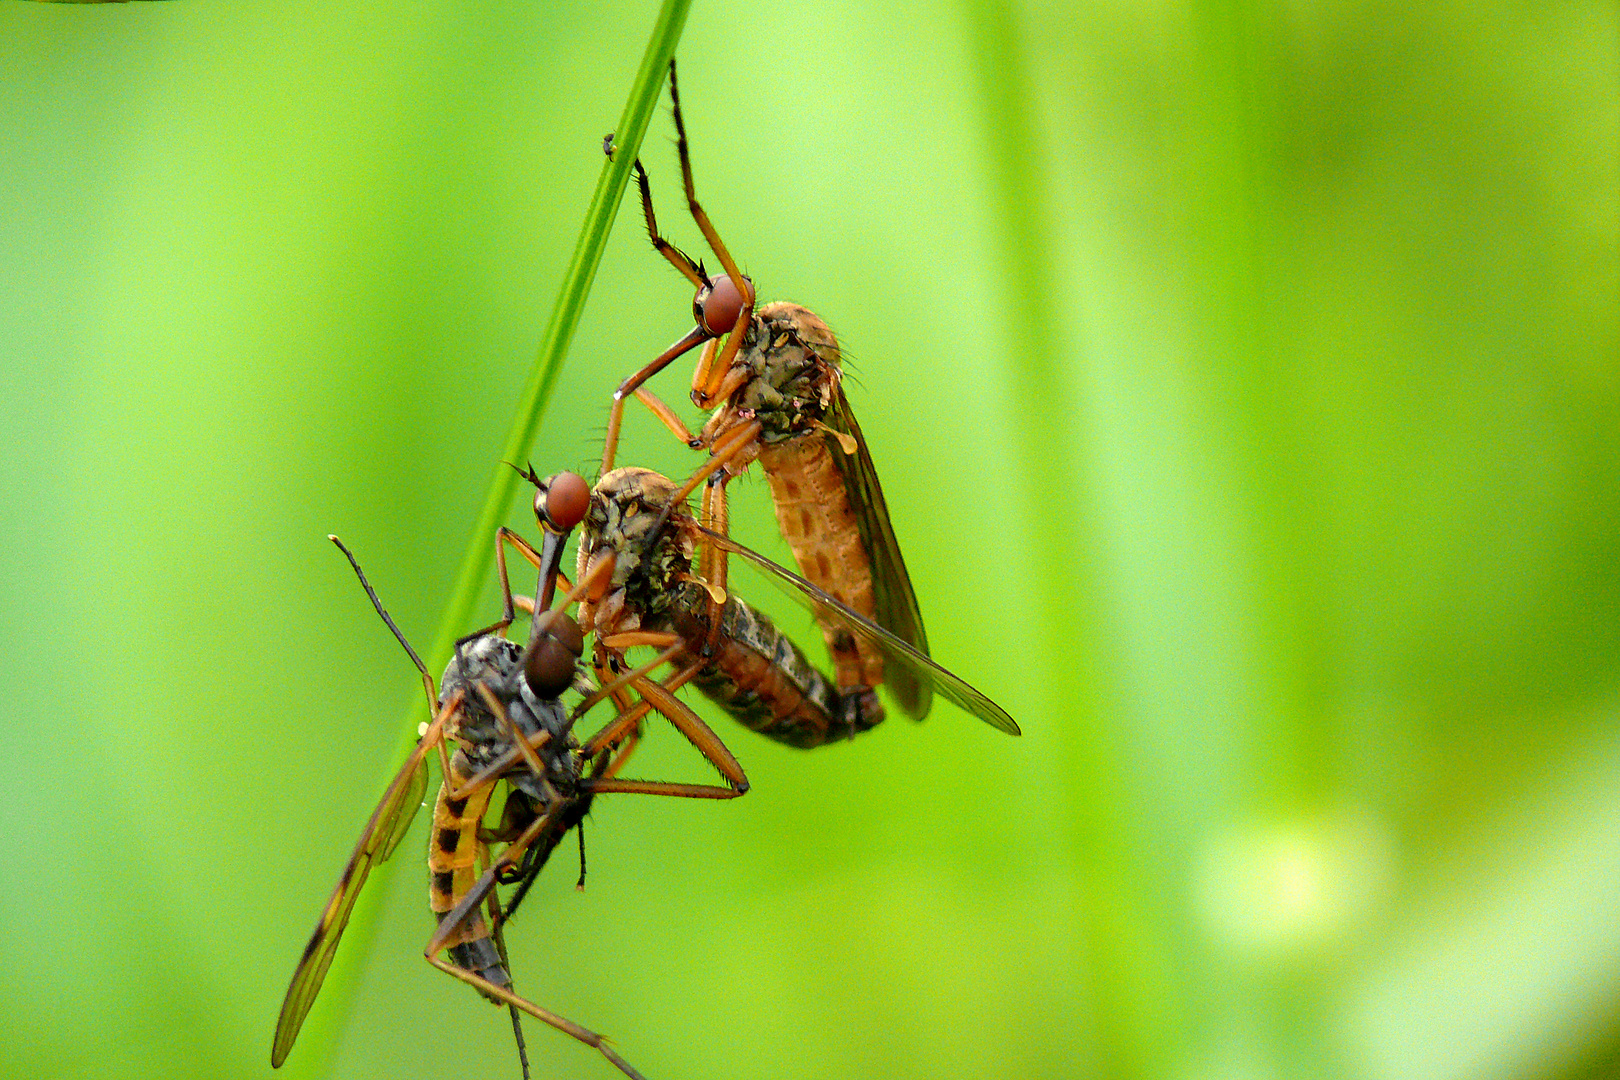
(498, 707)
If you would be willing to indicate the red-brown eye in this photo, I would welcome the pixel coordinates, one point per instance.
(567, 499)
(721, 304)
(549, 667)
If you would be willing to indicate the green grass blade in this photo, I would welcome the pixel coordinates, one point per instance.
(610, 188)
(325, 1019)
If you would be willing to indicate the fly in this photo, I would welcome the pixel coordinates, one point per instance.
(637, 540)
(498, 708)
(773, 378)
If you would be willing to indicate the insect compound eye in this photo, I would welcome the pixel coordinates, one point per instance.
(549, 667)
(567, 498)
(719, 306)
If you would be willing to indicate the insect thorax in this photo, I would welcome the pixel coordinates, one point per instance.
(624, 513)
(495, 662)
(794, 360)
(652, 586)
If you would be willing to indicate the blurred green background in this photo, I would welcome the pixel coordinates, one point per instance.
(1244, 382)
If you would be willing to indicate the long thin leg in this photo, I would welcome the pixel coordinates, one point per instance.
(725, 448)
(667, 415)
(497, 934)
(660, 787)
(579, 834)
(695, 336)
(620, 757)
(714, 498)
(704, 394)
(729, 446)
(561, 1023)
(718, 384)
(630, 639)
(504, 536)
(609, 686)
(704, 391)
(700, 374)
(613, 681)
(698, 733)
(452, 922)
(606, 665)
(604, 781)
(690, 269)
(500, 765)
(710, 233)
(615, 729)
(523, 750)
(494, 704)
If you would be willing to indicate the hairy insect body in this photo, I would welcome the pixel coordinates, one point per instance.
(793, 362)
(493, 661)
(765, 682)
(814, 515)
(456, 845)
(755, 673)
(454, 854)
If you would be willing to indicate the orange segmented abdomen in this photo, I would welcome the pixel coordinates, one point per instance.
(765, 682)
(814, 514)
(454, 852)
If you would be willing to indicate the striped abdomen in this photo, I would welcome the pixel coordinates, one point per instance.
(814, 514)
(764, 682)
(453, 858)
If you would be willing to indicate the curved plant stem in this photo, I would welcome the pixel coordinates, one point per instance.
(475, 565)
(610, 188)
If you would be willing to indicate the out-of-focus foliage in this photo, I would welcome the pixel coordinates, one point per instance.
(1244, 383)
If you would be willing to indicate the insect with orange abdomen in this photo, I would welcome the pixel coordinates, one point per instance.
(636, 546)
(498, 707)
(773, 378)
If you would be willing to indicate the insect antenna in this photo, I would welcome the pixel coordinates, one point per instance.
(427, 680)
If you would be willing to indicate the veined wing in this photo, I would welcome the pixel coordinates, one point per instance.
(895, 602)
(401, 825)
(922, 668)
(377, 841)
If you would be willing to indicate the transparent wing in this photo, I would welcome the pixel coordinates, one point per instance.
(895, 602)
(923, 669)
(402, 821)
(378, 839)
